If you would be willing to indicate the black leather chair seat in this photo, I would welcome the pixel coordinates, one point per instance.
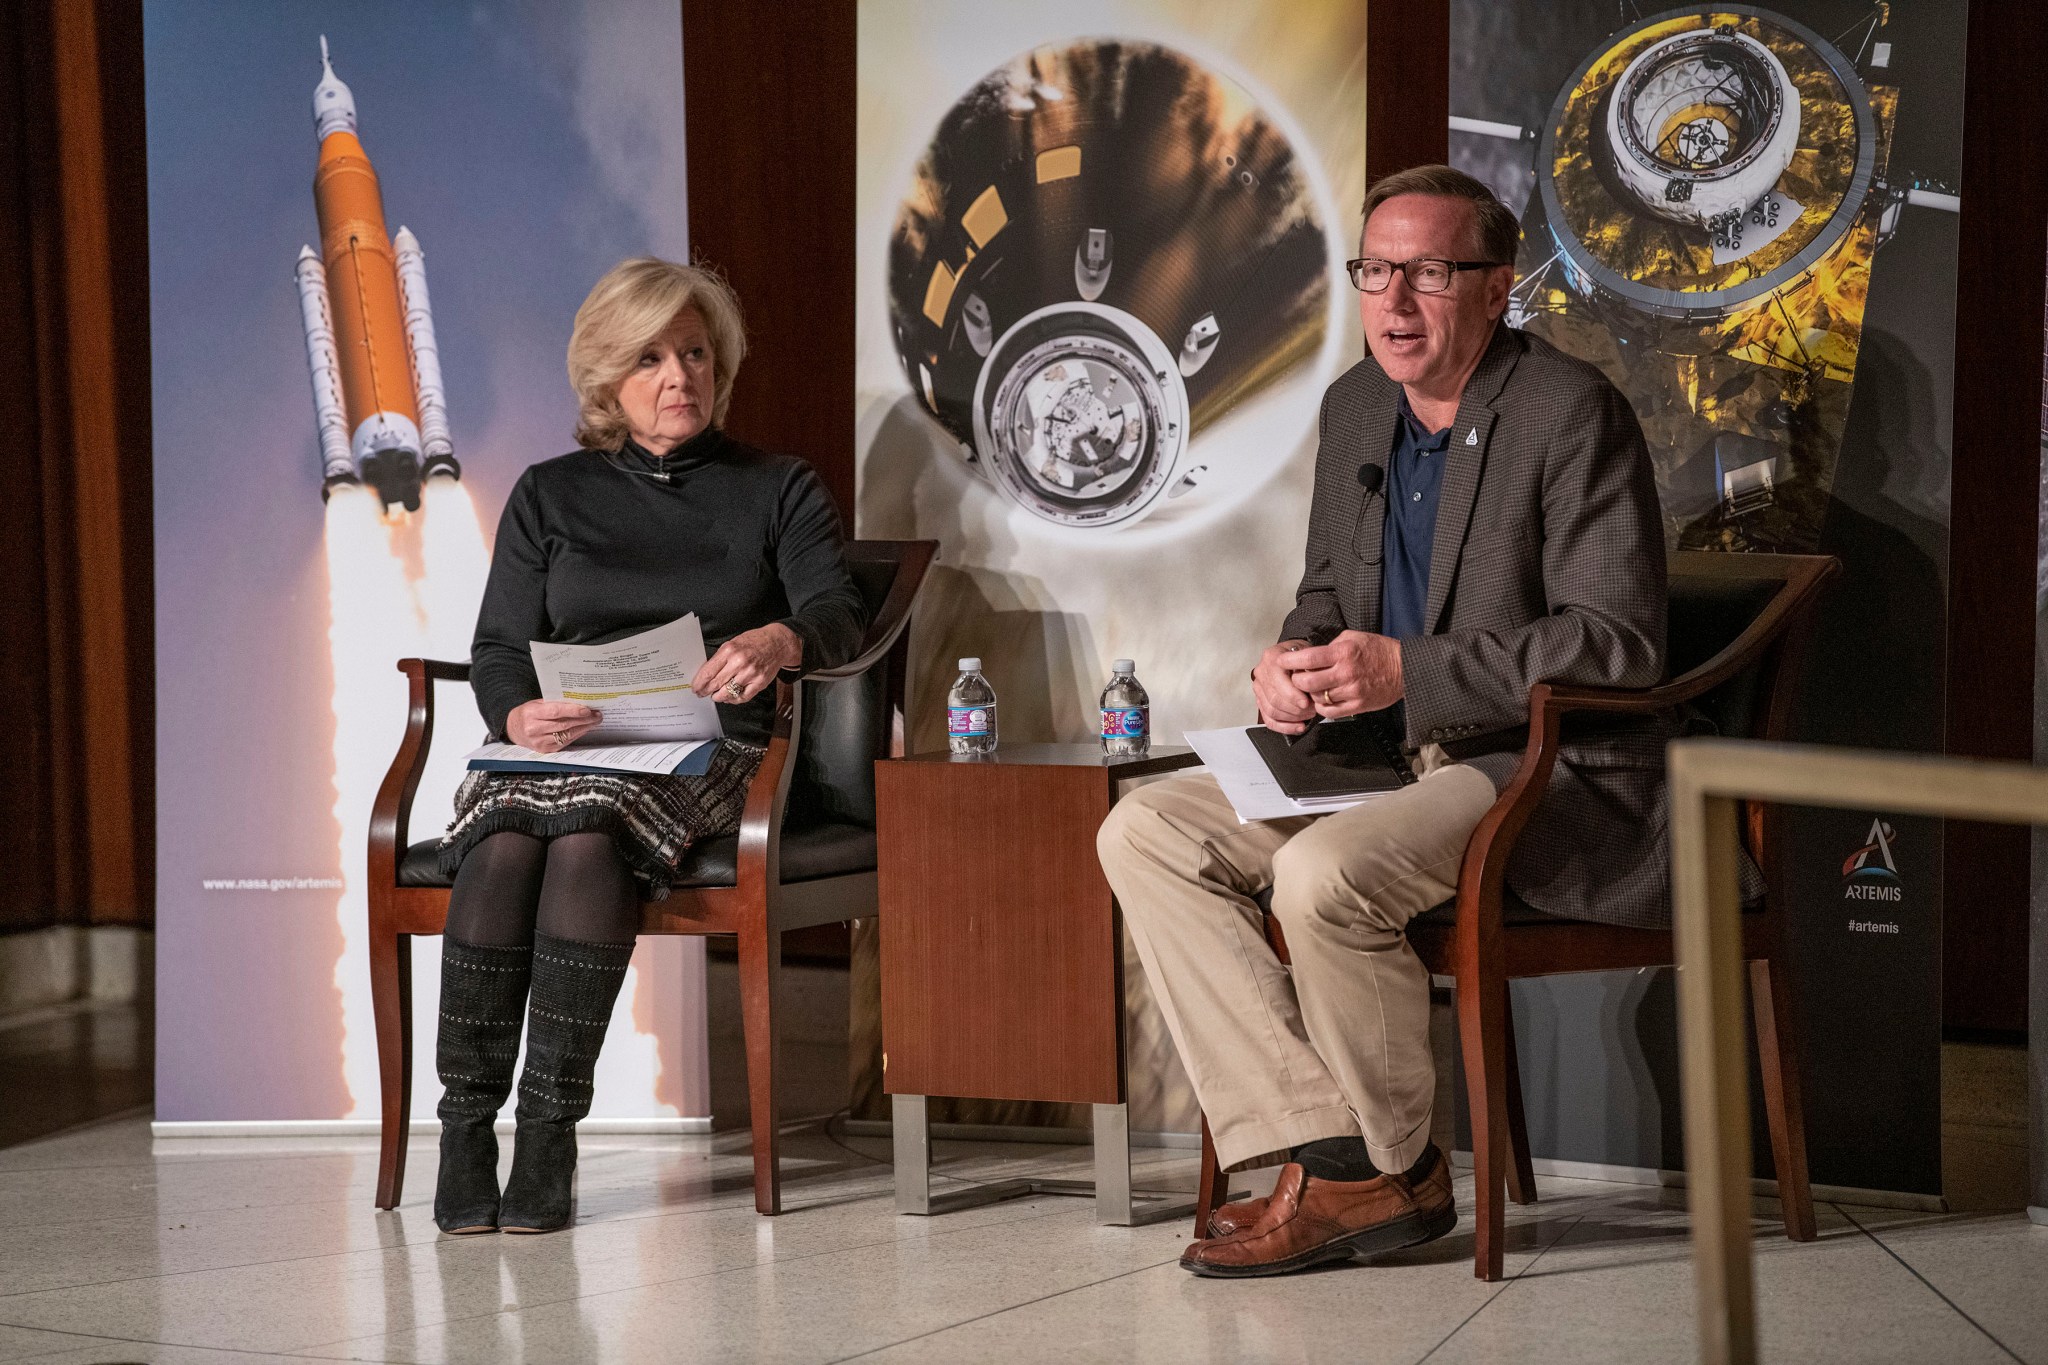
(824, 849)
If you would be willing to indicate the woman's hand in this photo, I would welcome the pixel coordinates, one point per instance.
(549, 726)
(747, 663)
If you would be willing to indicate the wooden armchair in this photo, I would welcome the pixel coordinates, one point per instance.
(1737, 631)
(804, 854)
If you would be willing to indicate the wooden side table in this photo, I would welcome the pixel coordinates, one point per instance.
(1002, 962)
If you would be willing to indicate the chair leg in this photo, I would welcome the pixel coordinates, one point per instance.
(1214, 1183)
(1770, 996)
(1482, 1006)
(1521, 1170)
(391, 1005)
(760, 963)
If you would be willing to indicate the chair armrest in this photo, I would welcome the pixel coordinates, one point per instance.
(436, 670)
(1480, 877)
(892, 618)
(391, 816)
(759, 861)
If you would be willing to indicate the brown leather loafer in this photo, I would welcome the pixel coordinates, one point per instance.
(1307, 1222)
(1233, 1218)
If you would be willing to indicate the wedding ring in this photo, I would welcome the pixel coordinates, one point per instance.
(1327, 701)
(734, 690)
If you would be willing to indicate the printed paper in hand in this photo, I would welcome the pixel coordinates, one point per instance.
(1249, 783)
(640, 683)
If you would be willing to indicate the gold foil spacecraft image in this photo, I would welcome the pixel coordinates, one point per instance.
(1712, 187)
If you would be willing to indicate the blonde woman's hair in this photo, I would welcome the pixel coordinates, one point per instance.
(626, 310)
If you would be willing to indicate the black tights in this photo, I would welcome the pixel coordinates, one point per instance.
(575, 887)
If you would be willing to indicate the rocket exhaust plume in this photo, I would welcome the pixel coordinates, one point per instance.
(406, 558)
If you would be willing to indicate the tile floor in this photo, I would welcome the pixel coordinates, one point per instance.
(114, 1248)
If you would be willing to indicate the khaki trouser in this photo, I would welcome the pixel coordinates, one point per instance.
(1342, 1047)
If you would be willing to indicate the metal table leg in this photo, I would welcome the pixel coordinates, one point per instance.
(911, 1135)
(1116, 1203)
(1113, 1164)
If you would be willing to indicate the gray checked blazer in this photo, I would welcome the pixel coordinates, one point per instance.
(1547, 566)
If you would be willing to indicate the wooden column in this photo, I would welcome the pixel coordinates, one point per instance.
(768, 100)
(1407, 85)
(1994, 497)
(77, 823)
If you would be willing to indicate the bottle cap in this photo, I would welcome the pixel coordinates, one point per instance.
(970, 665)
(1126, 666)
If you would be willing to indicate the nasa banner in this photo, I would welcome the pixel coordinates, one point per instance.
(1100, 258)
(370, 225)
(1746, 217)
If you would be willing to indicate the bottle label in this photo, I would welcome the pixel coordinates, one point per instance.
(1125, 723)
(970, 720)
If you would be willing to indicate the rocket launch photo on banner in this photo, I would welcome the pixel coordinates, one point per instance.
(338, 531)
(377, 392)
(406, 561)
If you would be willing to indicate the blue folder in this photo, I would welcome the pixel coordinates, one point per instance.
(695, 764)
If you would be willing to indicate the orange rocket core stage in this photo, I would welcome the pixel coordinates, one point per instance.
(362, 277)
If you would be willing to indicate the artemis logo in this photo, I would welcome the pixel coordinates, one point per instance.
(1870, 873)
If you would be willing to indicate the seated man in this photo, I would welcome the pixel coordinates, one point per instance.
(1484, 518)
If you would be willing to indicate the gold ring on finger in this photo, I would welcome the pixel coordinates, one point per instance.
(1327, 699)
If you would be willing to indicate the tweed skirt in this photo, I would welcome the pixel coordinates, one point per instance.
(653, 820)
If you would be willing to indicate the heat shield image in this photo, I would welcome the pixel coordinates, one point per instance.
(1712, 188)
(1106, 247)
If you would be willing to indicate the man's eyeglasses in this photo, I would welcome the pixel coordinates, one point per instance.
(1426, 274)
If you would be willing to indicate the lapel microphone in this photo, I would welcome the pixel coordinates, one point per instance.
(1370, 477)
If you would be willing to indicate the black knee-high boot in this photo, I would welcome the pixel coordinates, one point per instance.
(483, 1004)
(574, 986)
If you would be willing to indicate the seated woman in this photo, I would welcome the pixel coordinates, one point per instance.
(661, 514)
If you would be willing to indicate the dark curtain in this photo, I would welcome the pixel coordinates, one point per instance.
(76, 806)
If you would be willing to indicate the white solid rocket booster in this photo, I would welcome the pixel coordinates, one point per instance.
(336, 464)
(437, 450)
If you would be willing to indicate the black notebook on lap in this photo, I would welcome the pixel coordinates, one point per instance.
(1335, 760)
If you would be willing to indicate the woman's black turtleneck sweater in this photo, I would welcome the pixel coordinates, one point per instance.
(592, 548)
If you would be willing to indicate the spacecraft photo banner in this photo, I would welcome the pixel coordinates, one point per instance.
(1746, 217)
(1098, 255)
(370, 225)
(1097, 246)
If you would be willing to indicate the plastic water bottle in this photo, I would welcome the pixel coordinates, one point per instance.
(1126, 714)
(971, 712)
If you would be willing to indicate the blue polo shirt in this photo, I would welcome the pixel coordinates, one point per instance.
(1415, 476)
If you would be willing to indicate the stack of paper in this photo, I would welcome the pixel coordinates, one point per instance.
(652, 721)
(640, 683)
